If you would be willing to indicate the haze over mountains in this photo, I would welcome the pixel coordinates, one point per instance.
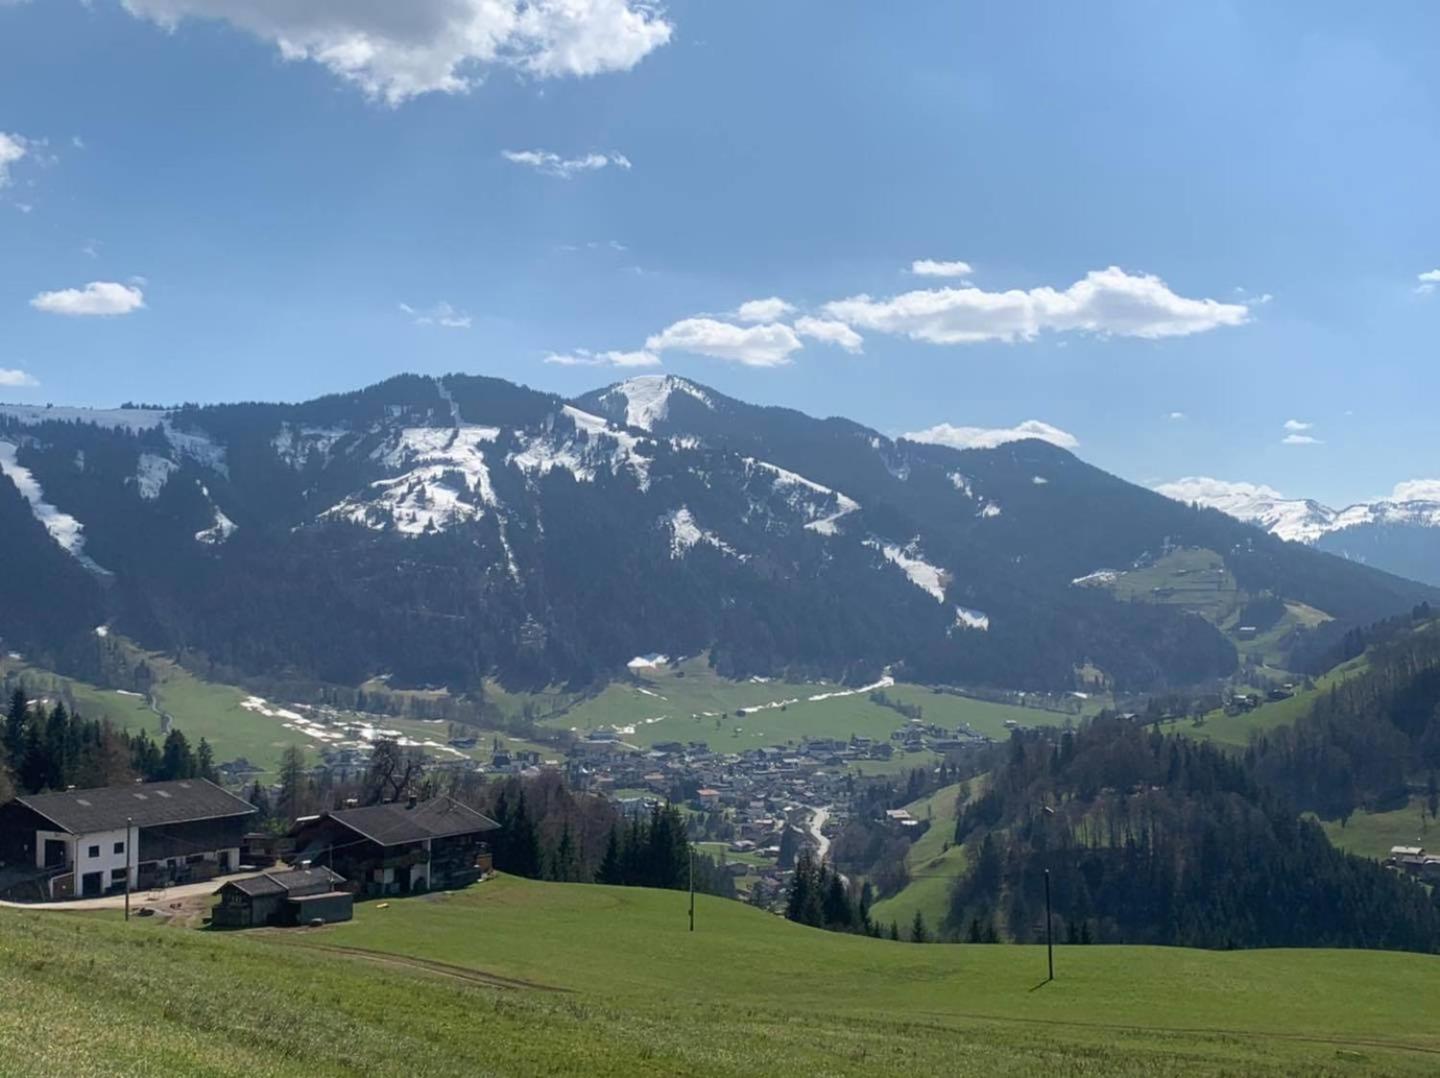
(1400, 534)
(441, 530)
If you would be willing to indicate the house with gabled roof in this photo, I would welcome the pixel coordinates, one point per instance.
(401, 847)
(85, 842)
(298, 896)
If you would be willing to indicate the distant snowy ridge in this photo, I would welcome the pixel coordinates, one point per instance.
(1303, 520)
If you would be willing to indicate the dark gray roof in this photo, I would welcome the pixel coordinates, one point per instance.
(150, 804)
(275, 883)
(398, 823)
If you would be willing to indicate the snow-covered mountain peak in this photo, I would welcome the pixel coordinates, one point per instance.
(646, 397)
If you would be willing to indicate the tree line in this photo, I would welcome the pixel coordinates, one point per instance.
(1163, 840)
(1371, 739)
(547, 830)
(54, 748)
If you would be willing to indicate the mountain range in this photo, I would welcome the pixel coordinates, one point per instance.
(439, 531)
(1400, 534)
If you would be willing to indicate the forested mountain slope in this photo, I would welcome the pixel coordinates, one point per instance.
(441, 530)
(1154, 839)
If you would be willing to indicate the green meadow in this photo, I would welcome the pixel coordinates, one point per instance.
(517, 978)
(690, 702)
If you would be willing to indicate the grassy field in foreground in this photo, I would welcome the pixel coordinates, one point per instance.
(513, 977)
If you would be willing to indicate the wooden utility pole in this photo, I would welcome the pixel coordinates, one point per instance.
(1049, 934)
(129, 841)
(692, 887)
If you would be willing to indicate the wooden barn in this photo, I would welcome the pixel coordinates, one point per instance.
(295, 897)
(399, 848)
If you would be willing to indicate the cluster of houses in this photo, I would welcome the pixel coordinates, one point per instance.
(148, 836)
(1414, 861)
(1242, 702)
(349, 762)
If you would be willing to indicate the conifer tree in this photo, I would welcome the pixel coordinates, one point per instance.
(918, 932)
(524, 845)
(610, 868)
(15, 719)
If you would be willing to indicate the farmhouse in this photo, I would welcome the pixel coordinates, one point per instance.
(82, 842)
(400, 847)
(296, 897)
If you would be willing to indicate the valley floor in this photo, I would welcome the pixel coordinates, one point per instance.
(513, 977)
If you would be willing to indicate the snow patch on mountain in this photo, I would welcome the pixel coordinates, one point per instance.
(1099, 578)
(68, 532)
(685, 534)
(647, 397)
(595, 444)
(434, 445)
(823, 511)
(965, 618)
(928, 578)
(197, 446)
(962, 484)
(988, 510)
(131, 419)
(219, 531)
(151, 474)
(447, 482)
(297, 445)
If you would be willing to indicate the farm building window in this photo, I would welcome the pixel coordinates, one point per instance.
(119, 847)
(94, 851)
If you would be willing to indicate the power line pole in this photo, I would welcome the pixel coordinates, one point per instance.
(1049, 934)
(692, 886)
(129, 841)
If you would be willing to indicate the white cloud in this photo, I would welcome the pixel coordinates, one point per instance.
(441, 314)
(12, 149)
(583, 358)
(753, 346)
(1428, 280)
(1178, 416)
(397, 50)
(990, 437)
(1417, 490)
(1108, 301)
(764, 310)
(1300, 439)
(96, 298)
(837, 333)
(1296, 425)
(929, 267)
(552, 164)
(13, 379)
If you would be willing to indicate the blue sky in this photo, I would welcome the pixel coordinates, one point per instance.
(275, 205)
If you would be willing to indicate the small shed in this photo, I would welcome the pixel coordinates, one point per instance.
(280, 898)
